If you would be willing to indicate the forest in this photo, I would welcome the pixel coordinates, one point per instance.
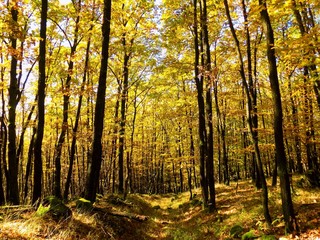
(154, 97)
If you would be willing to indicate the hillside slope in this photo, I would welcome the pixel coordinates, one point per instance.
(170, 216)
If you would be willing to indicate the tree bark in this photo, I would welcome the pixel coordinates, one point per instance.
(287, 205)
(14, 95)
(201, 107)
(37, 177)
(29, 163)
(96, 159)
(123, 103)
(209, 85)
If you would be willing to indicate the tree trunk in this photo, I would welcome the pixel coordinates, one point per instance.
(295, 123)
(123, 103)
(29, 164)
(76, 124)
(287, 205)
(95, 164)
(249, 94)
(209, 85)
(14, 95)
(3, 142)
(37, 177)
(66, 98)
(201, 107)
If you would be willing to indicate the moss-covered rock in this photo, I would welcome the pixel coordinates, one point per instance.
(53, 207)
(83, 204)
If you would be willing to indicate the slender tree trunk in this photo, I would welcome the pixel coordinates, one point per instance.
(76, 124)
(192, 162)
(225, 160)
(14, 95)
(3, 140)
(201, 107)
(244, 137)
(66, 99)
(37, 177)
(123, 103)
(3, 143)
(209, 85)
(95, 164)
(287, 205)
(221, 139)
(29, 164)
(115, 139)
(295, 122)
(250, 121)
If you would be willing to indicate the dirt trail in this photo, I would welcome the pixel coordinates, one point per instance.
(170, 216)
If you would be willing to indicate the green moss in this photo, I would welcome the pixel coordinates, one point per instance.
(248, 235)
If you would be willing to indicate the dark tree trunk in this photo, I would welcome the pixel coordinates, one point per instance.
(250, 93)
(14, 95)
(295, 122)
(189, 172)
(209, 85)
(220, 127)
(37, 177)
(76, 124)
(225, 160)
(123, 103)
(3, 138)
(95, 164)
(66, 98)
(129, 178)
(29, 164)
(287, 205)
(3, 142)
(201, 107)
(114, 140)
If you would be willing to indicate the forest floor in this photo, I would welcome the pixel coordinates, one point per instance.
(171, 216)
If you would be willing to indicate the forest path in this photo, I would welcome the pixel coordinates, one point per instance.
(173, 215)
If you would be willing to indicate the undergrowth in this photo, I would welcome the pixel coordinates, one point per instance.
(171, 216)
